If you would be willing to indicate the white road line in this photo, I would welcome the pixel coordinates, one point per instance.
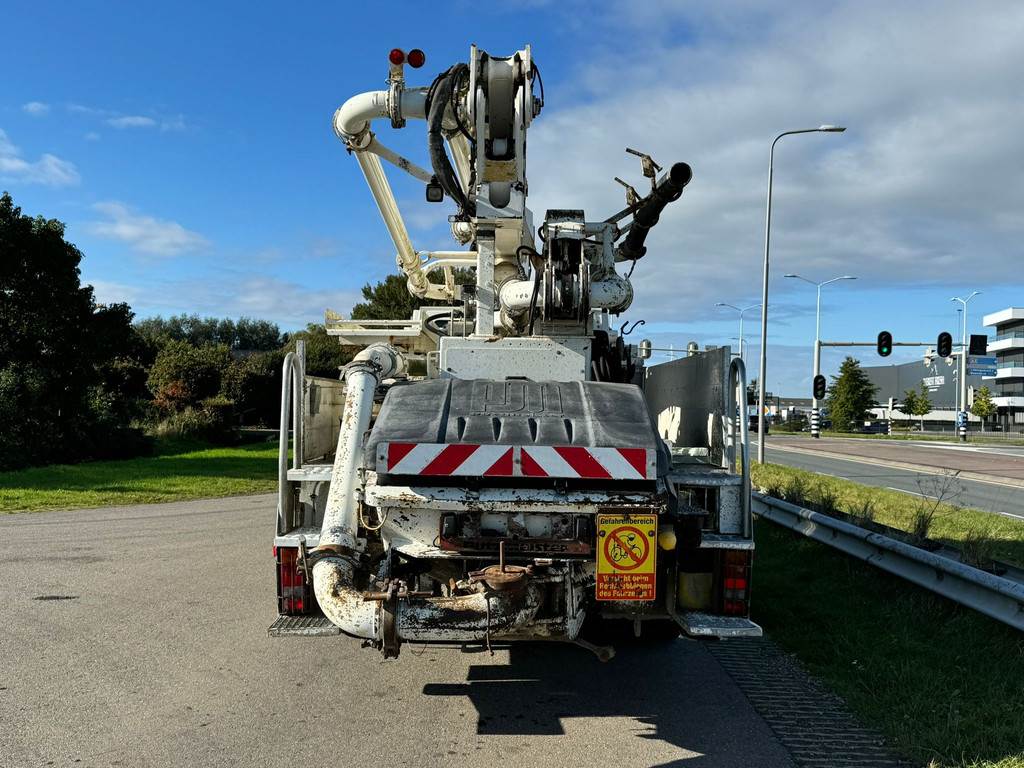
(912, 493)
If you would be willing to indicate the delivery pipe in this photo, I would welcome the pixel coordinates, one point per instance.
(362, 375)
(459, 618)
(352, 119)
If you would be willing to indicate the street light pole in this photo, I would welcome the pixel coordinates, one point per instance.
(741, 311)
(763, 367)
(962, 389)
(815, 415)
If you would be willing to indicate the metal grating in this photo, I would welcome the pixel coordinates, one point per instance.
(303, 626)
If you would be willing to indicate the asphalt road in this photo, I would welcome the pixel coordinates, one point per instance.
(994, 497)
(136, 636)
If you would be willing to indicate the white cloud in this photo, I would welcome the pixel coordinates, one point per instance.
(122, 121)
(131, 121)
(35, 108)
(287, 303)
(145, 234)
(91, 136)
(48, 170)
(927, 178)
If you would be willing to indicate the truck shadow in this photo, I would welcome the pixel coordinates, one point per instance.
(672, 691)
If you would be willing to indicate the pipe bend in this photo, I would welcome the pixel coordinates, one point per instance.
(352, 119)
(434, 619)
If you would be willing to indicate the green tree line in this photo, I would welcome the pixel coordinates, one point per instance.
(81, 380)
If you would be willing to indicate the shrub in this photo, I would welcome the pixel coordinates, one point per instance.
(253, 384)
(795, 491)
(184, 375)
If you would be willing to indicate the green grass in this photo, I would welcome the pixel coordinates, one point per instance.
(943, 683)
(177, 471)
(951, 524)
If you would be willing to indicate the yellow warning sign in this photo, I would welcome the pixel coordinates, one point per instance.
(626, 556)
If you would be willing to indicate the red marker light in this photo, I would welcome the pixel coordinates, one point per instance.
(397, 56)
(417, 58)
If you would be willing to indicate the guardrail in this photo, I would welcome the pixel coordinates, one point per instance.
(995, 596)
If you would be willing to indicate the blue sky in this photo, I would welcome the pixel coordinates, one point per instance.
(188, 147)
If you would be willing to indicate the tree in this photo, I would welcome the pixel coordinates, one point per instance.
(253, 384)
(246, 333)
(851, 395)
(65, 363)
(184, 375)
(917, 403)
(983, 407)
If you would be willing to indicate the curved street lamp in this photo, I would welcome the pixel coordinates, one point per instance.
(741, 311)
(763, 368)
(815, 420)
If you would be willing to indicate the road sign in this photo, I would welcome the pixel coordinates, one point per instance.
(979, 365)
(626, 555)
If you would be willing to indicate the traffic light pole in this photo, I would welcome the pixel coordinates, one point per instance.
(962, 388)
(815, 413)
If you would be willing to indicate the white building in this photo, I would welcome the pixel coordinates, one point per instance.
(1008, 348)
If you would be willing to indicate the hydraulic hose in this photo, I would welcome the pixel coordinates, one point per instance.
(439, 97)
(647, 214)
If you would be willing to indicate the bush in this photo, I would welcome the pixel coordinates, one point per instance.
(211, 421)
(183, 375)
(253, 384)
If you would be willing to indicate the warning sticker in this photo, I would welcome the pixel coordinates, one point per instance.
(626, 556)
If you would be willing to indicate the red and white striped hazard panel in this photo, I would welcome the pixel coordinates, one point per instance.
(569, 461)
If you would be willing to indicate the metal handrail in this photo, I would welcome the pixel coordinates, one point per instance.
(995, 596)
(738, 392)
(292, 375)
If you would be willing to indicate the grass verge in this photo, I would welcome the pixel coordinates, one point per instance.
(178, 470)
(943, 683)
(949, 523)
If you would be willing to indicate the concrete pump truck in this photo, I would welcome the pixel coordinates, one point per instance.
(502, 465)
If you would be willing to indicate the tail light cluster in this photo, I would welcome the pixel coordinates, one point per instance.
(294, 596)
(736, 582)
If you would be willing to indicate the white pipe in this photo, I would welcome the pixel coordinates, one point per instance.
(341, 515)
(352, 119)
(436, 619)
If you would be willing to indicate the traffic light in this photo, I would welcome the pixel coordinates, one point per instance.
(978, 344)
(819, 387)
(944, 346)
(884, 344)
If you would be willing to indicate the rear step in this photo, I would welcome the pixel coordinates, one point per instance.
(696, 624)
(303, 626)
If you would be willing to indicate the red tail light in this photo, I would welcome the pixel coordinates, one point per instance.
(736, 582)
(293, 594)
(397, 56)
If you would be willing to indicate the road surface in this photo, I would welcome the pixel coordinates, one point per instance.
(861, 464)
(136, 636)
